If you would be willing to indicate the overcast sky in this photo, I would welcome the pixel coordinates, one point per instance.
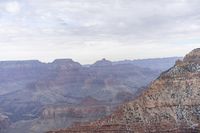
(88, 30)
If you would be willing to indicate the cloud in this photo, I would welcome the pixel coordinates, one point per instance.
(83, 29)
(12, 7)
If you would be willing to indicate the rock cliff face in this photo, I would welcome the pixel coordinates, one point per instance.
(170, 104)
(4, 123)
(55, 117)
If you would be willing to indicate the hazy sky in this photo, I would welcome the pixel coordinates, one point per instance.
(88, 30)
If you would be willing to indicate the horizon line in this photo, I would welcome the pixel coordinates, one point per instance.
(46, 62)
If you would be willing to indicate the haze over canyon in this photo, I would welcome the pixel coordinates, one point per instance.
(37, 97)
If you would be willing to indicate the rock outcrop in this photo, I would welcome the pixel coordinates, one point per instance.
(4, 123)
(170, 104)
(102, 63)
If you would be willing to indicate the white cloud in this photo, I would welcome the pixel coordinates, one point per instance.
(12, 7)
(87, 30)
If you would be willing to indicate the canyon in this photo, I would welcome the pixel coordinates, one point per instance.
(169, 104)
(36, 97)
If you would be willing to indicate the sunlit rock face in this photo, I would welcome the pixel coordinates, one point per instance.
(170, 104)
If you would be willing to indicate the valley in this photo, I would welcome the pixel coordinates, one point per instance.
(39, 97)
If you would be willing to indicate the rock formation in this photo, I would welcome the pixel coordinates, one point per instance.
(66, 88)
(170, 104)
(64, 81)
(4, 123)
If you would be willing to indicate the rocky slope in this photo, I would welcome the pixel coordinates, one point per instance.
(170, 104)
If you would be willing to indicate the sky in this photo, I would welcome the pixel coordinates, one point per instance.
(89, 30)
